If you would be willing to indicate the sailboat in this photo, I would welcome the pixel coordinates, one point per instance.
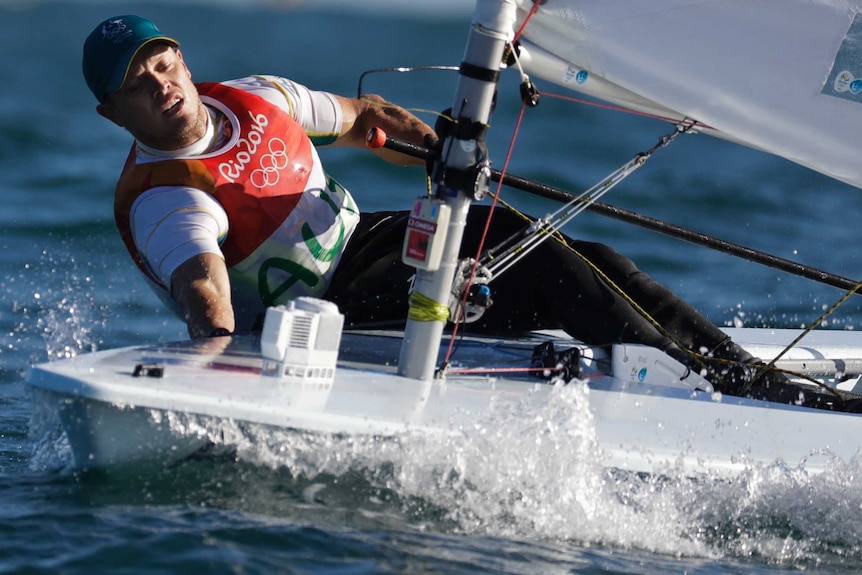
(776, 75)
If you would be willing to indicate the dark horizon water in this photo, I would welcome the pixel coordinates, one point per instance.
(294, 504)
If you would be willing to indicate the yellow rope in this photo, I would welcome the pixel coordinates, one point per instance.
(558, 236)
(806, 331)
(423, 308)
(698, 357)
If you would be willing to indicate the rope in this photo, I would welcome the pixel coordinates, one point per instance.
(806, 331)
(526, 21)
(546, 228)
(689, 123)
(543, 228)
(485, 233)
(423, 308)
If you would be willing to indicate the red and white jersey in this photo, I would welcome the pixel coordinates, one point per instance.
(252, 190)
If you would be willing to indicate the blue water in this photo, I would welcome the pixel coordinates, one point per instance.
(293, 505)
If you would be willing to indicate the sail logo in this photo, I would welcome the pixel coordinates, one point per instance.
(844, 82)
(575, 75)
(841, 81)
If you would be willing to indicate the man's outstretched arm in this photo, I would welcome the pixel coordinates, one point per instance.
(201, 287)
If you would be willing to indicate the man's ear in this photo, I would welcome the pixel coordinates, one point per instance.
(107, 110)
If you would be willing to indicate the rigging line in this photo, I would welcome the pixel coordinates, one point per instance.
(692, 124)
(538, 232)
(547, 229)
(527, 19)
(512, 50)
(526, 370)
(539, 229)
(805, 332)
(652, 224)
(484, 236)
(678, 232)
(640, 310)
(398, 69)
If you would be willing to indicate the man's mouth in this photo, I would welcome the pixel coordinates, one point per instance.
(173, 106)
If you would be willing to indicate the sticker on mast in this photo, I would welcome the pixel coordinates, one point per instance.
(426, 233)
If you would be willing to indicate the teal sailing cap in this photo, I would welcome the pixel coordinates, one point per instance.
(110, 49)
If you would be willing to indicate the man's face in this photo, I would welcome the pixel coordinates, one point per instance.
(158, 103)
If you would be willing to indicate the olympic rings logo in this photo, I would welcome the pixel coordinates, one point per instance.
(271, 164)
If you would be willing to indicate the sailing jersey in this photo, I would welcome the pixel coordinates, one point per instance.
(252, 190)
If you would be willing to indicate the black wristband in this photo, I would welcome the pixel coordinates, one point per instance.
(219, 332)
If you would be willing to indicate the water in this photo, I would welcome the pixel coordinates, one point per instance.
(515, 495)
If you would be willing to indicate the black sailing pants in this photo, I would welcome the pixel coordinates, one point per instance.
(550, 288)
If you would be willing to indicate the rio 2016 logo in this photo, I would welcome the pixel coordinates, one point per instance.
(268, 171)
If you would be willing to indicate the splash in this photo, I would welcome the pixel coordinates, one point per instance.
(50, 450)
(60, 315)
(525, 471)
(533, 470)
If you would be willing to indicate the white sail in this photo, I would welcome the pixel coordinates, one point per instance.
(784, 76)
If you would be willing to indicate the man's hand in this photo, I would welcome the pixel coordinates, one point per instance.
(362, 114)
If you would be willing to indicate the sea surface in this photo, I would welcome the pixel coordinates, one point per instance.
(287, 504)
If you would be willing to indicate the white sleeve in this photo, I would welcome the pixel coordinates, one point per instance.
(173, 224)
(319, 113)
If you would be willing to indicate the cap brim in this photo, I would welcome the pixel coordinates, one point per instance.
(122, 69)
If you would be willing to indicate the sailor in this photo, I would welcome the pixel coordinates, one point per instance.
(225, 208)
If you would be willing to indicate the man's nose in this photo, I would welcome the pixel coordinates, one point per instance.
(160, 82)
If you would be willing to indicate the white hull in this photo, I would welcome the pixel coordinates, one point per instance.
(115, 418)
